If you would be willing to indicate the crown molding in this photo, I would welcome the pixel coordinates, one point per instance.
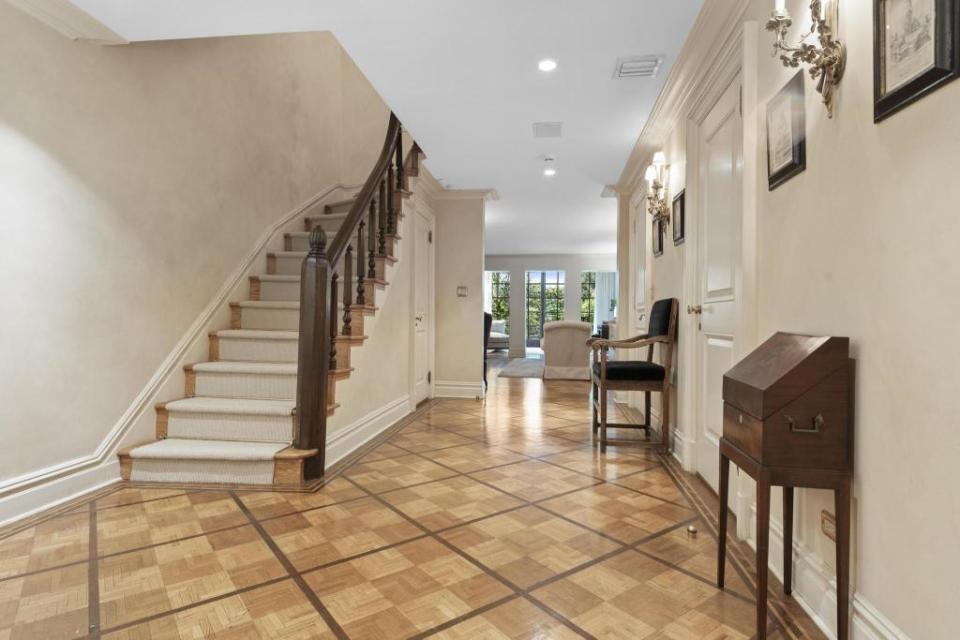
(69, 20)
(436, 191)
(717, 25)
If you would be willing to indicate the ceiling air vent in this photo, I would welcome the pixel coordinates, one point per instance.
(547, 129)
(637, 67)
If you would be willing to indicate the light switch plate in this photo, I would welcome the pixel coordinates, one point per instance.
(461, 291)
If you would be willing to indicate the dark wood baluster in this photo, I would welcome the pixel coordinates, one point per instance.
(347, 289)
(401, 179)
(361, 290)
(372, 241)
(314, 353)
(384, 193)
(392, 195)
(334, 306)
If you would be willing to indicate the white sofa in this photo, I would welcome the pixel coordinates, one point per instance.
(565, 351)
(499, 338)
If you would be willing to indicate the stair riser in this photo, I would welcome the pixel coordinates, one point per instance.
(277, 319)
(243, 350)
(280, 291)
(284, 266)
(302, 242)
(290, 291)
(206, 471)
(245, 385)
(218, 426)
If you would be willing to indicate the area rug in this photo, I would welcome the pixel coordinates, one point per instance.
(522, 368)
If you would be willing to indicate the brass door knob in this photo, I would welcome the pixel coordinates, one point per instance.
(696, 308)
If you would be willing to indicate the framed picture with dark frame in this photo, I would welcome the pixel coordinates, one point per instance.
(679, 217)
(657, 238)
(786, 133)
(916, 50)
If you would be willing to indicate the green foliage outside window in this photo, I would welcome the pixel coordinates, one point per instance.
(546, 297)
(588, 296)
(500, 286)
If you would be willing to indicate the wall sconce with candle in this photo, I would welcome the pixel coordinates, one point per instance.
(658, 204)
(826, 59)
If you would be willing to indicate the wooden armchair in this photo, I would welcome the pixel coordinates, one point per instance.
(636, 375)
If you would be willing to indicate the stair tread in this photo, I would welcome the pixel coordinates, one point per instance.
(232, 406)
(186, 449)
(340, 203)
(269, 304)
(257, 334)
(288, 254)
(262, 368)
(325, 216)
(296, 278)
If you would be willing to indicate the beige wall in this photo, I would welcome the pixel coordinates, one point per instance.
(459, 262)
(133, 181)
(862, 244)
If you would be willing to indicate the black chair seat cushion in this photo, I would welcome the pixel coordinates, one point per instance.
(635, 370)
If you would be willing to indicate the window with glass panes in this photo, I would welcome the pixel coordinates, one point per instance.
(588, 296)
(500, 297)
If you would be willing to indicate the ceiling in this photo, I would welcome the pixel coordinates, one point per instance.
(463, 78)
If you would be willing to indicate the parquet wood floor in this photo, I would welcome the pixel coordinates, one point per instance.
(496, 520)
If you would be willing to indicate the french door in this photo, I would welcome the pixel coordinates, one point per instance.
(546, 297)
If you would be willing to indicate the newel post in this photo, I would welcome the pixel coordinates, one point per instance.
(314, 353)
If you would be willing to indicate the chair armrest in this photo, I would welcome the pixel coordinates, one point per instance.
(630, 343)
(596, 339)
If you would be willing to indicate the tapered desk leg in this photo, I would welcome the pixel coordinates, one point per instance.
(842, 506)
(603, 420)
(763, 541)
(722, 521)
(596, 420)
(787, 540)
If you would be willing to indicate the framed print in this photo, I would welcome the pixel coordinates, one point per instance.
(916, 51)
(657, 238)
(679, 218)
(786, 133)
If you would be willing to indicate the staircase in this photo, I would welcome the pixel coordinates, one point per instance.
(238, 421)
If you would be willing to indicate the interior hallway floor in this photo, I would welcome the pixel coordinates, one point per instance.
(493, 519)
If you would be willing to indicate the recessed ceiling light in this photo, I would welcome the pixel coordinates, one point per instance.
(547, 65)
(549, 170)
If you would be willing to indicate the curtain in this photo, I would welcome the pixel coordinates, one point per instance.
(606, 296)
(488, 291)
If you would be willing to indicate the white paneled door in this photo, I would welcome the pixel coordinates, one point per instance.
(422, 305)
(720, 209)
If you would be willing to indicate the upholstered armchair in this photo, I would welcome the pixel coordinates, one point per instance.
(499, 338)
(565, 351)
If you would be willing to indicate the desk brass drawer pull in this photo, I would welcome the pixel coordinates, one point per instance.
(792, 423)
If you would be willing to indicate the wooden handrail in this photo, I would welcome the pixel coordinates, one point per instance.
(359, 207)
(375, 207)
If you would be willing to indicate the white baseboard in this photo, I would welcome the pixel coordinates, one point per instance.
(52, 485)
(28, 502)
(815, 590)
(683, 450)
(350, 438)
(454, 389)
